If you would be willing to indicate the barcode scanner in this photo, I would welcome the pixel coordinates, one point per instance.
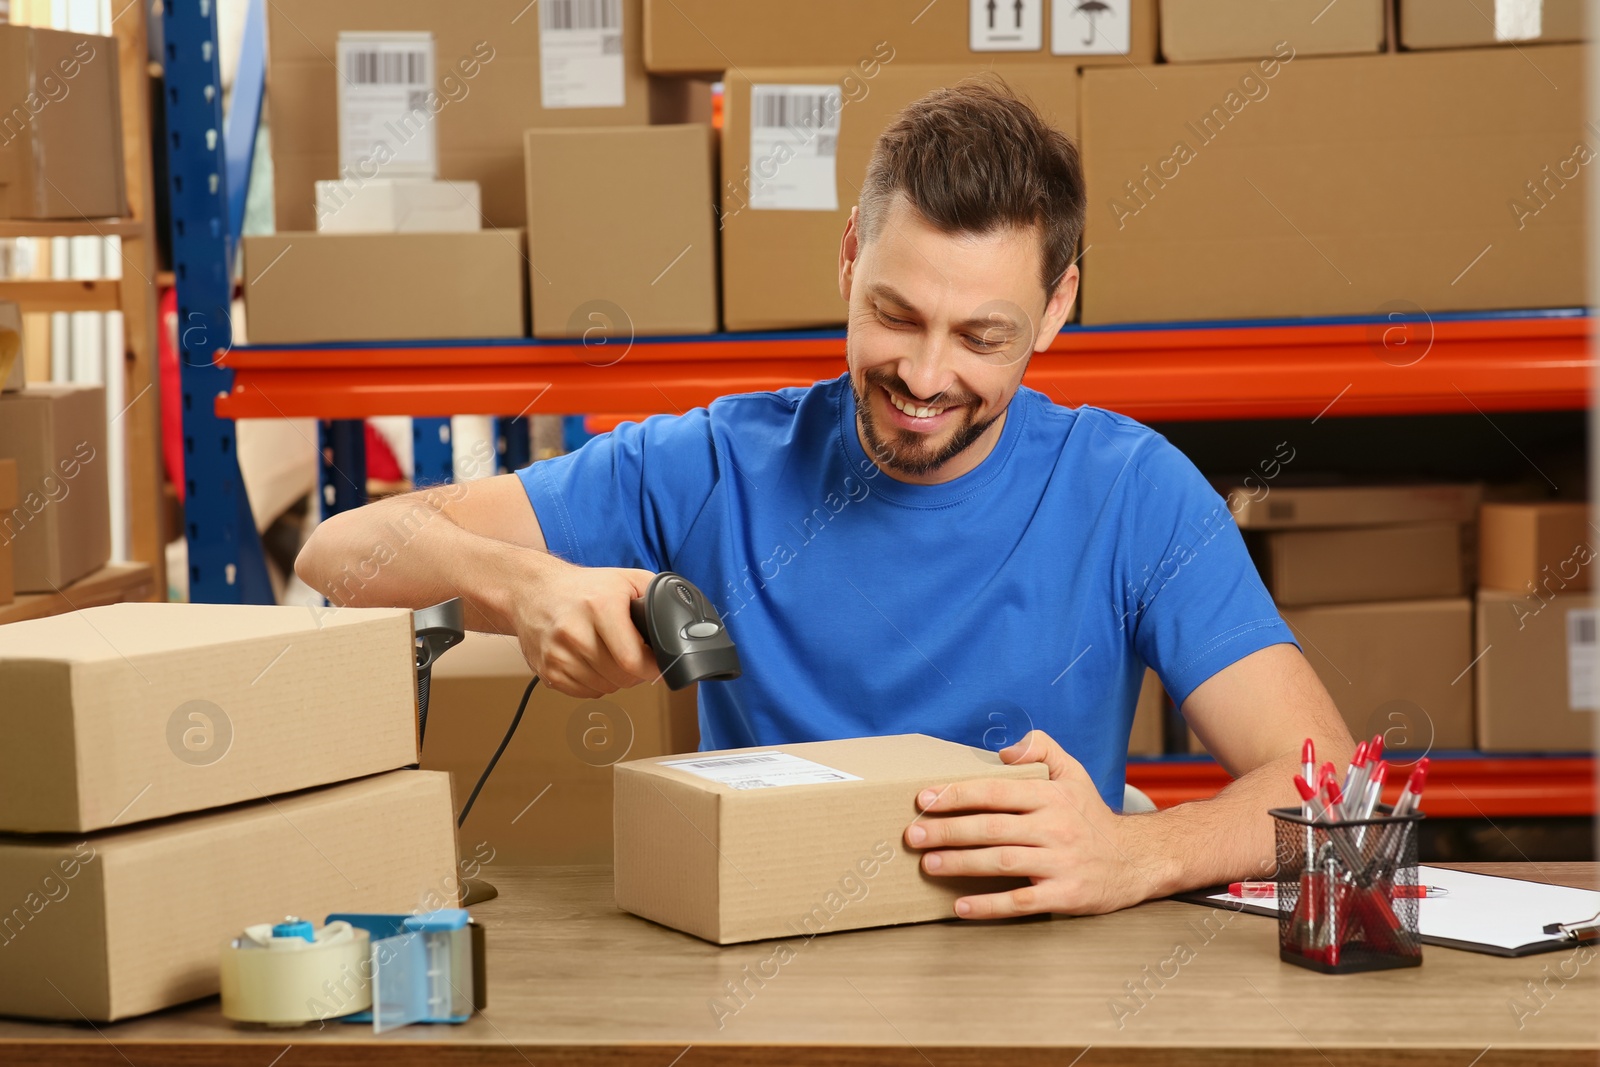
(685, 632)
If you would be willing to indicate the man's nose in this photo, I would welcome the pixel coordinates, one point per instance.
(927, 372)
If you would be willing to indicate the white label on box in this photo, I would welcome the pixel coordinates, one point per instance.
(1581, 694)
(760, 770)
(1005, 25)
(1091, 27)
(794, 147)
(1518, 20)
(385, 123)
(580, 53)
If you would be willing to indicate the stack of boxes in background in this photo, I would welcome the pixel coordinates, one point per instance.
(175, 772)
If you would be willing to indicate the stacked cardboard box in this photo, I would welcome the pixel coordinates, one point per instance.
(1372, 581)
(1452, 24)
(1251, 29)
(1536, 620)
(58, 529)
(228, 764)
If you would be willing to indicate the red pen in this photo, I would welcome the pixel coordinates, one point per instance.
(1264, 890)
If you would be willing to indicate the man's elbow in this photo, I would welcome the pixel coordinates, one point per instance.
(315, 564)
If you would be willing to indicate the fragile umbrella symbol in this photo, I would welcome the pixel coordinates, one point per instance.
(1091, 8)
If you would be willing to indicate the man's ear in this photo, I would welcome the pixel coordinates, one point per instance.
(1057, 308)
(849, 250)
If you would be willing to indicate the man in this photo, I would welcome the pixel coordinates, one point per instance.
(920, 545)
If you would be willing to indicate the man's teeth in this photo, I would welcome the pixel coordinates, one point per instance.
(914, 412)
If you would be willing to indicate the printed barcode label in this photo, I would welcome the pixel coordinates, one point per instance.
(580, 53)
(760, 770)
(794, 145)
(386, 125)
(1582, 660)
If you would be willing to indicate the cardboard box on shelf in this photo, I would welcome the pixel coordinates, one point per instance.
(694, 834)
(8, 501)
(1452, 24)
(134, 711)
(13, 372)
(1284, 507)
(1148, 714)
(383, 286)
(1251, 29)
(1535, 684)
(398, 205)
(1402, 561)
(61, 135)
(621, 231)
(498, 70)
(129, 921)
(712, 36)
(1545, 545)
(61, 523)
(1301, 184)
(780, 237)
(1392, 668)
(549, 799)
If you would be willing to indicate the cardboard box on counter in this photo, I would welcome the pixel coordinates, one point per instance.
(621, 231)
(60, 526)
(13, 372)
(61, 132)
(497, 73)
(1251, 29)
(1391, 668)
(1453, 24)
(695, 834)
(1302, 185)
(712, 36)
(1402, 561)
(129, 921)
(384, 286)
(780, 237)
(128, 712)
(1536, 683)
(1284, 507)
(8, 501)
(549, 800)
(1544, 545)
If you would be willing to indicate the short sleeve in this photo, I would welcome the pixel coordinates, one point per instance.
(1192, 595)
(627, 498)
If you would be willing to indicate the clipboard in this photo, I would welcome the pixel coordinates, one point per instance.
(1510, 917)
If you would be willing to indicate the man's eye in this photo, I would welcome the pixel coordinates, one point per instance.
(984, 344)
(890, 320)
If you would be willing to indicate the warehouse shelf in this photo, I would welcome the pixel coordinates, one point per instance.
(111, 584)
(1528, 361)
(1460, 784)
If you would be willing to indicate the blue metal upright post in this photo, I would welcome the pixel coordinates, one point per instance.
(432, 455)
(343, 481)
(226, 564)
(513, 443)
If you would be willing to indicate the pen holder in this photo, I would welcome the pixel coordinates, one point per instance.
(1337, 910)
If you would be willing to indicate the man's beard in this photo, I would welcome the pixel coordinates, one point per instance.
(907, 451)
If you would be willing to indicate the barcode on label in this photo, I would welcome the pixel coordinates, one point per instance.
(729, 761)
(827, 144)
(781, 110)
(581, 15)
(388, 68)
(1581, 627)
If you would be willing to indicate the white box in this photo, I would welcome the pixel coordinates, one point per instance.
(398, 205)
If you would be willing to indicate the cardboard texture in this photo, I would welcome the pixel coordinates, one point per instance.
(1297, 507)
(130, 712)
(384, 286)
(621, 231)
(398, 205)
(1543, 545)
(13, 370)
(8, 500)
(1390, 667)
(1304, 188)
(712, 36)
(61, 137)
(125, 922)
(1251, 29)
(61, 524)
(1404, 561)
(1148, 714)
(800, 287)
(1453, 24)
(1535, 684)
(741, 864)
(487, 73)
(549, 799)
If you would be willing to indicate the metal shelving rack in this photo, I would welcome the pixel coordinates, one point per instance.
(1528, 361)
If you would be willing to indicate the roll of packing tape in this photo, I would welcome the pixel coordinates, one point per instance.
(287, 974)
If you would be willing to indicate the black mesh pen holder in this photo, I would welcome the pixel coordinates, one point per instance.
(1338, 909)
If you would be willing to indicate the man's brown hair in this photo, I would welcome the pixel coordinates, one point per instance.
(974, 158)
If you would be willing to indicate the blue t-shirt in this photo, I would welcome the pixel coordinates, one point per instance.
(1028, 593)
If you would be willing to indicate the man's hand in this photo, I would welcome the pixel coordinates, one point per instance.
(1082, 858)
(576, 632)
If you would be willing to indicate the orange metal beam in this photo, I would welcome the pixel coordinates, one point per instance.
(1153, 374)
